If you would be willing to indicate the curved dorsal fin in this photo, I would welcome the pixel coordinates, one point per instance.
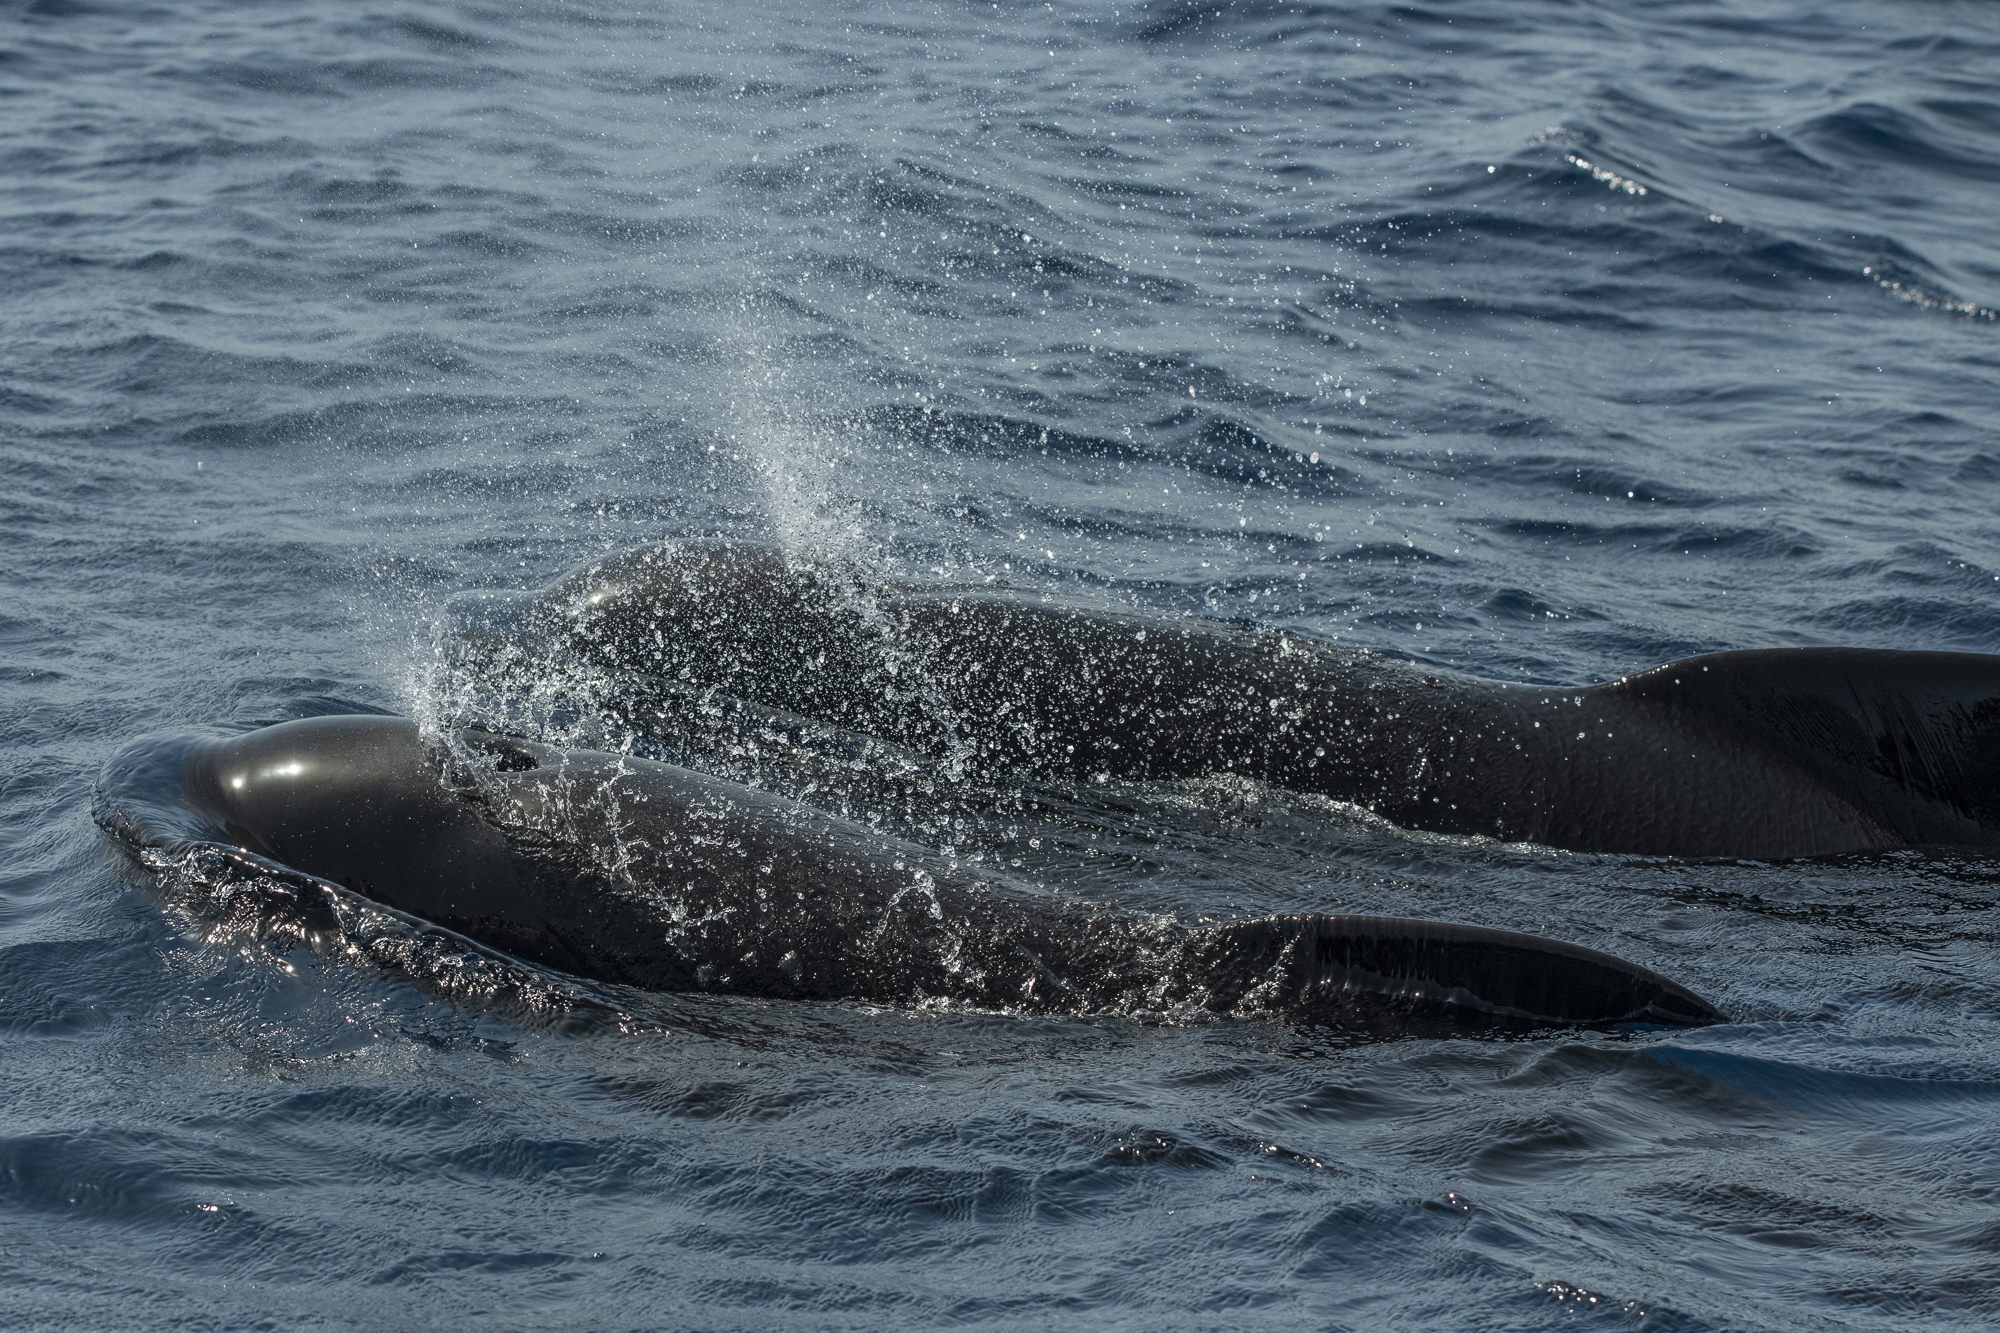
(1912, 739)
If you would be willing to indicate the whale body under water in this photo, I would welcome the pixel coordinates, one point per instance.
(1763, 755)
(647, 874)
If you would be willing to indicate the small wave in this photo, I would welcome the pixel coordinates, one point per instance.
(1899, 283)
(1874, 134)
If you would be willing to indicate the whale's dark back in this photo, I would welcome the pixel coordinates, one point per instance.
(1765, 754)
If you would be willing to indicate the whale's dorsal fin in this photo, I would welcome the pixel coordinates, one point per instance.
(1912, 739)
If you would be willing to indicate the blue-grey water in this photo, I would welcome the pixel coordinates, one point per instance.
(1540, 341)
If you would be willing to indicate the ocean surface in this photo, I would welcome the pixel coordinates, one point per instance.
(1535, 341)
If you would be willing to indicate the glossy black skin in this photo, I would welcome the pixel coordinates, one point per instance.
(1767, 755)
(650, 875)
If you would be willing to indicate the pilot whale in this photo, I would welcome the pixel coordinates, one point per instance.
(645, 874)
(1761, 754)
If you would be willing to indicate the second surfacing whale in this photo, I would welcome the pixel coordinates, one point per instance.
(1762, 754)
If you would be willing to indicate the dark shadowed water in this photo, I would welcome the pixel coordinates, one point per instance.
(1539, 341)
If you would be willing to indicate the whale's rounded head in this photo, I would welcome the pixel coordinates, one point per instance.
(356, 800)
